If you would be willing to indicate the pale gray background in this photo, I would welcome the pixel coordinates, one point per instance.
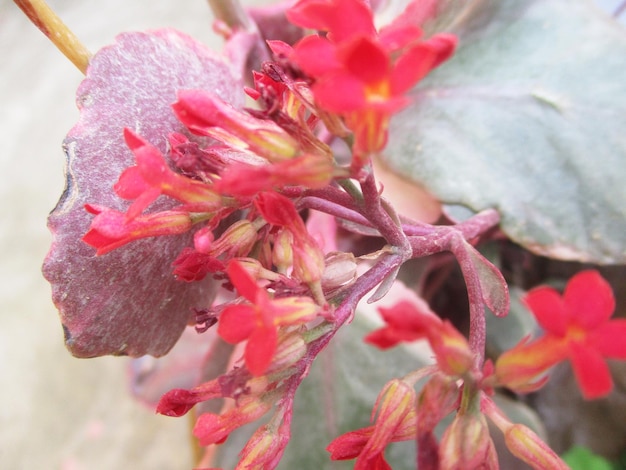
(58, 412)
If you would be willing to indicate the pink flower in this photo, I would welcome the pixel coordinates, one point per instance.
(577, 327)
(258, 321)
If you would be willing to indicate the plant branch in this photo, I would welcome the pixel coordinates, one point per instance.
(230, 12)
(42, 16)
(382, 217)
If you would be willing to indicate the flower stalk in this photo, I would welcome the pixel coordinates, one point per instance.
(42, 16)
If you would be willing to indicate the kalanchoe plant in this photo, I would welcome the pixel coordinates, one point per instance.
(176, 189)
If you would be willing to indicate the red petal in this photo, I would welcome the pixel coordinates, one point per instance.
(236, 323)
(394, 38)
(589, 299)
(610, 339)
(311, 14)
(365, 59)
(349, 445)
(260, 349)
(376, 462)
(278, 210)
(341, 18)
(405, 323)
(548, 308)
(340, 93)
(407, 316)
(316, 56)
(591, 371)
(130, 184)
(415, 64)
(243, 282)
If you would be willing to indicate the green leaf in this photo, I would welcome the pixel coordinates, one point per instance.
(581, 458)
(528, 118)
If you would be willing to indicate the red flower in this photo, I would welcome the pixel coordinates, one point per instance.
(111, 229)
(396, 421)
(151, 177)
(258, 321)
(406, 322)
(206, 114)
(244, 180)
(332, 16)
(359, 73)
(577, 327)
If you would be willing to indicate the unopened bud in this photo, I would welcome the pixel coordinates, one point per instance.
(467, 444)
(340, 270)
(237, 240)
(291, 348)
(282, 251)
(521, 440)
(308, 260)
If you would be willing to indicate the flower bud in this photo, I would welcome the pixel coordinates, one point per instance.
(214, 429)
(291, 348)
(522, 441)
(339, 271)
(527, 446)
(467, 444)
(206, 114)
(237, 240)
(282, 251)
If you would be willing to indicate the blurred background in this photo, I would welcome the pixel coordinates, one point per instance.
(58, 412)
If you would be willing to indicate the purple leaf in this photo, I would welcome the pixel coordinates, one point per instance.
(126, 302)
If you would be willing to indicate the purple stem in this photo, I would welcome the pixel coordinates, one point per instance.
(332, 208)
(381, 219)
(478, 322)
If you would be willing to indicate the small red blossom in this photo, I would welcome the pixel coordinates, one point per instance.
(360, 73)
(211, 256)
(258, 321)
(215, 428)
(577, 327)
(244, 180)
(111, 229)
(396, 420)
(151, 177)
(206, 114)
(408, 322)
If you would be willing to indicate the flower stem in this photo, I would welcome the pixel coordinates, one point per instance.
(42, 16)
(230, 12)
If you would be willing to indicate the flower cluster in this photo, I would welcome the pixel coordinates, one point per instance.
(360, 73)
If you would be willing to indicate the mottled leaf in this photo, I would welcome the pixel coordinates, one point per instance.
(126, 302)
(527, 118)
